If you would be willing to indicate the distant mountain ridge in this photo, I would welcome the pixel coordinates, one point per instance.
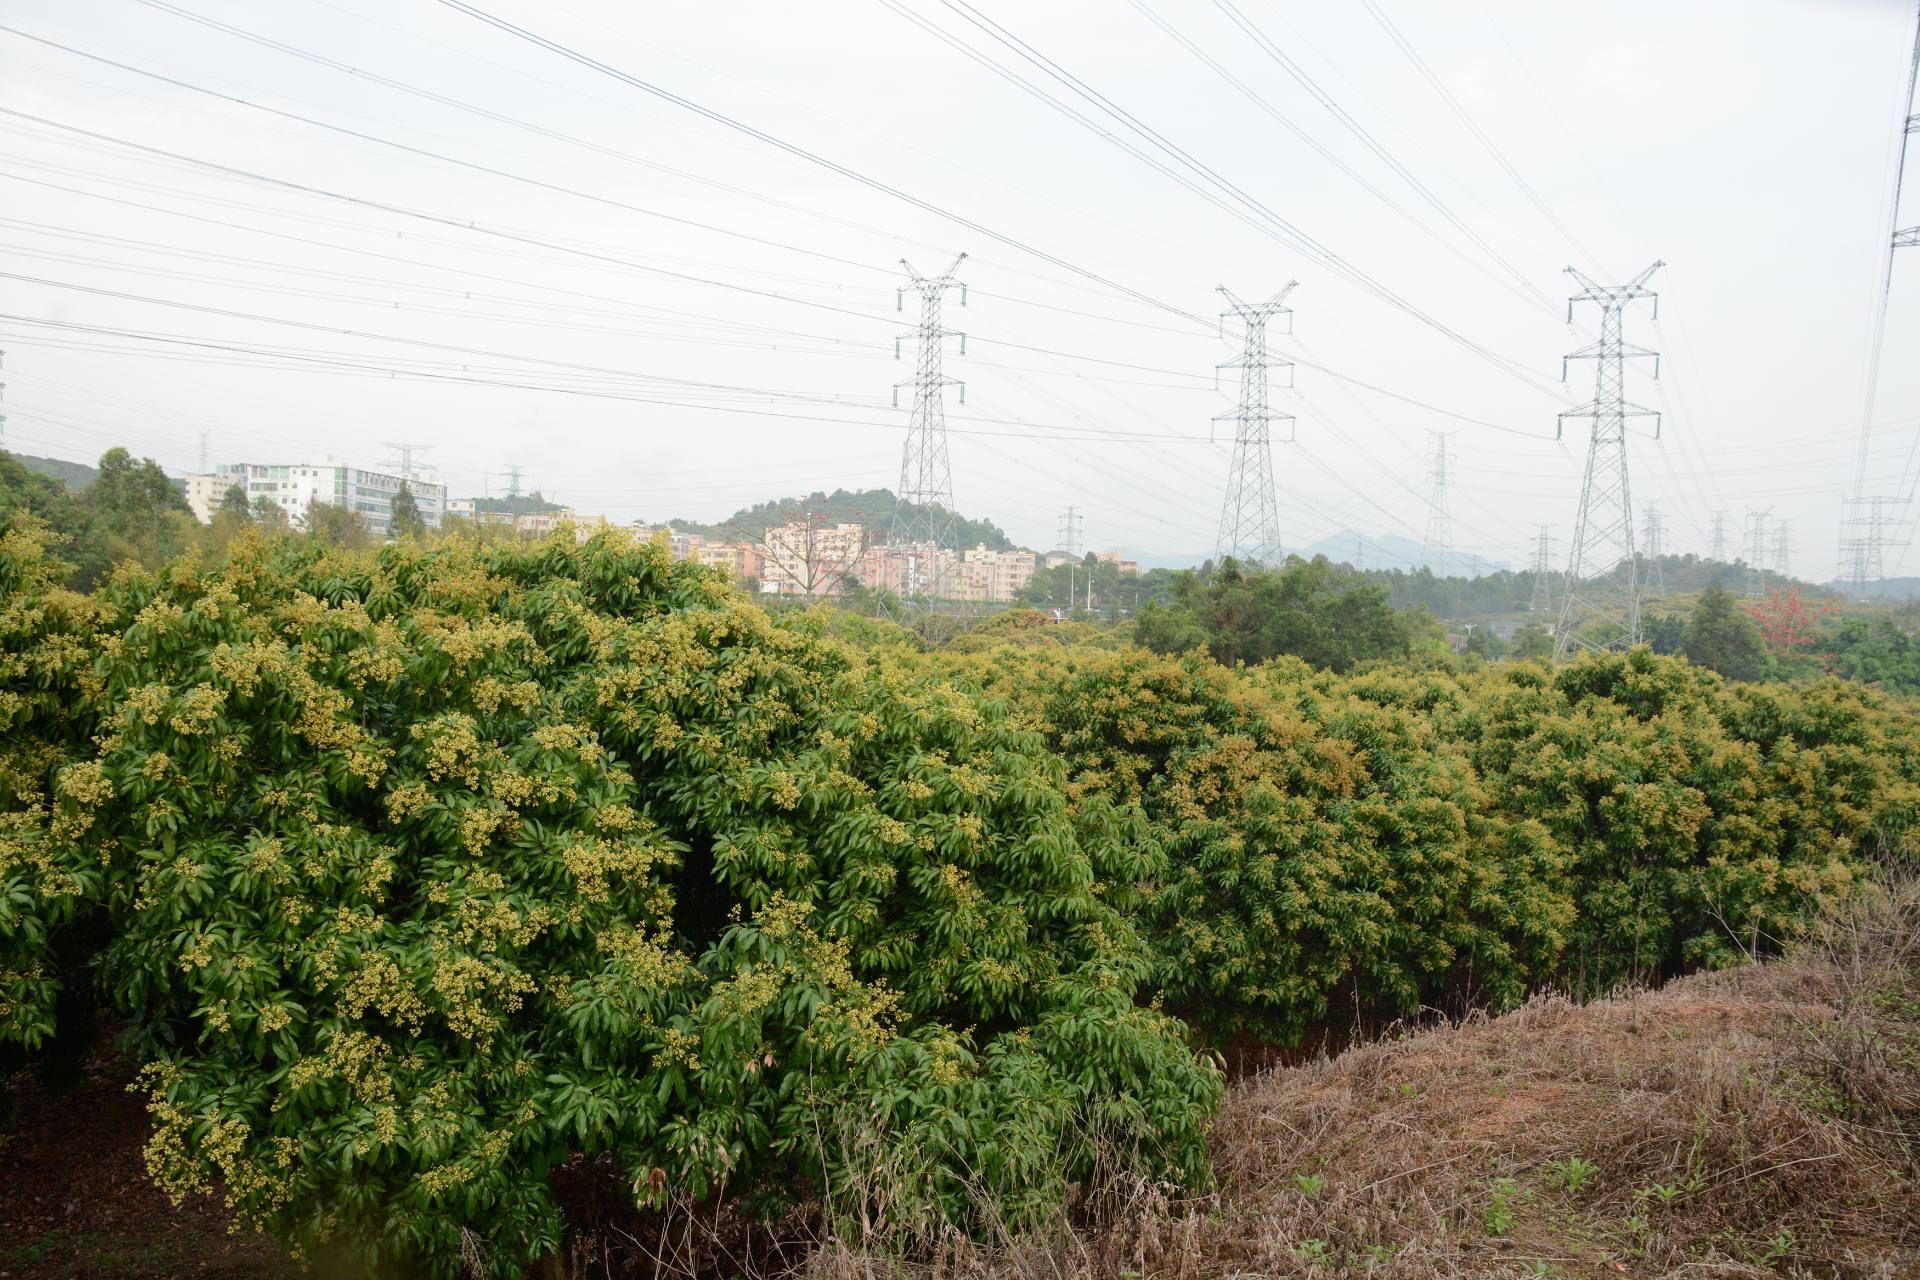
(75, 475)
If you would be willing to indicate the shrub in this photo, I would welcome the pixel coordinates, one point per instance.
(429, 869)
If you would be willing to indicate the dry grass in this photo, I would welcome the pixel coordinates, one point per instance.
(1758, 1122)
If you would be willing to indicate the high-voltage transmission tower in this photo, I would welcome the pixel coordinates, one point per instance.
(1439, 538)
(403, 451)
(1600, 608)
(923, 518)
(1783, 548)
(1720, 536)
(1070, 541)
(1655, 542)
(1250, 516)
(1542, 569)
(1869, 520)
(513, 480)
(1755, 552)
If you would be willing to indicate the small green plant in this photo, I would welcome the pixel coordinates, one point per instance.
(1408, 1088)
(1668, 1192)
(1571, 1173)
(1310, 1184)
(1779, 1249)
(1536, 1267)
(1309, 1250)
(1499, 1215)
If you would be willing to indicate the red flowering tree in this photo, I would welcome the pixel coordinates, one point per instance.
(1787, 621)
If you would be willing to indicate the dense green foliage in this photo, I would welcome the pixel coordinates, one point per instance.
(1879, 651)
(422, 870)
(1313, 610)
(24, 491)
(129, 510)
(520, 504)
(1721, 637)
(1339, 847)
(1510, 591)
(419, 871)
(1115, 594)
(406, 520)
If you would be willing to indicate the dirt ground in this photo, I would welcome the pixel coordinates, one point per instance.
(75, 1200)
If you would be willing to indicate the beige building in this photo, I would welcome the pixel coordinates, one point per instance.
(993, 577)
(979, 576)
(205, 493)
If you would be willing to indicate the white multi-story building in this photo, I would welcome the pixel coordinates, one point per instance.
(296, 486)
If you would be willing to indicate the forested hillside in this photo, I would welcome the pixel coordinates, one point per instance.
(871, 508)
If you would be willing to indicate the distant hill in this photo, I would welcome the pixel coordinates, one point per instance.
(871, 508)
(75, 475)
(1391, 551)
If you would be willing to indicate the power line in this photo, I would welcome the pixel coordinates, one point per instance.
(1249, 209)
(1526, 291)
(1480, 135)
(1864, 526)
(802, 153)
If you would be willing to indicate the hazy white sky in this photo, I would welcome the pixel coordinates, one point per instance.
(691, 319)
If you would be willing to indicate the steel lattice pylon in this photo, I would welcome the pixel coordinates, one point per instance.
(1439, 536)
(1868, 522)
(1542, 600)
(1656, 546)
(923, 515)
(1250, 515)
(1600, 608)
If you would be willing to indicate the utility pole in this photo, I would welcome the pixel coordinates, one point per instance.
(1439, 520)
(1720, 536)
(1250, 515)
(923, 517)
(204, 433)
(1070, 531)
(1783, 547)
(1755, 553)
(1656, 544)
(1865, 526)
(1600, 608)
(1360, 553)
(1542, 569)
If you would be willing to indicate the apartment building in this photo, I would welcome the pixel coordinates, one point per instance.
(294, 487)
(992, 577)
(206, 492)
(812, 560)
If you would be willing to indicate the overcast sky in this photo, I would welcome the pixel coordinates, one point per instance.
(691, 319)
